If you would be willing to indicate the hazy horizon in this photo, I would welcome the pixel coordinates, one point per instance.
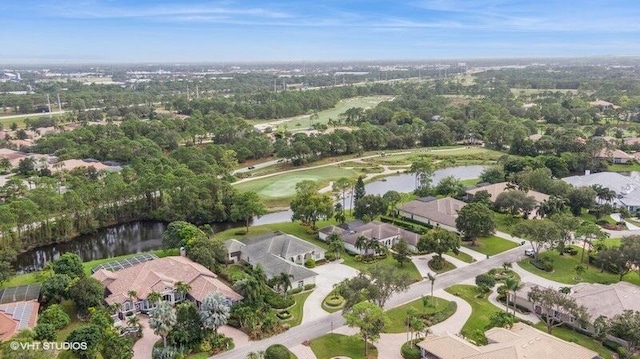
(200, 31)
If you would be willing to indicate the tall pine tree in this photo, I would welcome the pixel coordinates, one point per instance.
(358, 190)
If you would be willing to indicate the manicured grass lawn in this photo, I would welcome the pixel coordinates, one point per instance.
(506, 222)
(398, 315)
(481, 309)
(70, 308)
(284, 185)
(580, 339)
(470, 182)
(491, 245)
(564, 270)
(303, 122)
(461, 256)
(623, 167)
(330, 309)
(585, 215)
(36, 277)
(307, 234)
(333, 345)
(296, 310)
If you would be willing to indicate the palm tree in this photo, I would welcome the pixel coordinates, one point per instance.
(214, 312)
(362, 243)
(514, 286)
(162, 320)
(432, 279)
(284, 280)
(258, 273)
(249, 288)
(335, 243)
(154, 297)
(133, 322)
(183, 289)
(133, 297)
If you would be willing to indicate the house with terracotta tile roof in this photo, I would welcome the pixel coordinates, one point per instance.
(497, 188)
(161, 276)
(614, 156)
(17, 316)
(521, 341)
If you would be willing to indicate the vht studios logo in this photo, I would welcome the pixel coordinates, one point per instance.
(48, 345)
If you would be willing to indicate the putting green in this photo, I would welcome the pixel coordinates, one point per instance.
(284, 186)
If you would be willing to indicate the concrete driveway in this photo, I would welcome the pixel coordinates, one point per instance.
(328, 275)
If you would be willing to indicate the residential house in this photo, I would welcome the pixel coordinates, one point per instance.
(17, 316)
(606, 300)
(161, 276)
(614, 156)
(385, 233)
(603, 105)
(535, 137)
(14, 157)
(432, 211)
(69, 165)
(497, 188)
(627, 188)
(519, 342)
(632, 141)
(277, 253)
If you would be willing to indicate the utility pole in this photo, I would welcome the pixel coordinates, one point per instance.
(188, 96)
(59, 104)
(275, 85)
(197, 92)
(49, 105)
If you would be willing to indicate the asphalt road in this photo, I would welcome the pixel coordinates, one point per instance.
(325, 325)
(258, 166)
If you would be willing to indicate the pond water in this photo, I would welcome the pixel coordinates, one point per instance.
(403, 182)
(129, 238)
(138, 237)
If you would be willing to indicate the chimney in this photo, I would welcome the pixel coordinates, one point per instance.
(587, 172)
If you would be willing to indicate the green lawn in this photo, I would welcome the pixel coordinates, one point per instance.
(70, 308)
(303, 122)
(491, 245)
(307, 234)
(398, 315)
(623, 167)
(297, 309)
(506, 222)
(333, 345)
(481, 309)
(580, 339)
(330, 309)
(470, 182)
(564, 270)
(284, 186)
(36, 277)
(461, 256)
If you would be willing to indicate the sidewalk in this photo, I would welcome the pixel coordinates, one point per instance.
(527, 276)
(493, 299)
(511, 238)
(475, 255)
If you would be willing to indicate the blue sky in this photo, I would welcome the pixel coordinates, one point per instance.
(215, 31)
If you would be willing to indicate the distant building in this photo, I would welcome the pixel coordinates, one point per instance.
(614, 156)
(627, 189)
(497, 188)
(519, 342)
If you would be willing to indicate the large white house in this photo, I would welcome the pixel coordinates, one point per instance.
(627, 188)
